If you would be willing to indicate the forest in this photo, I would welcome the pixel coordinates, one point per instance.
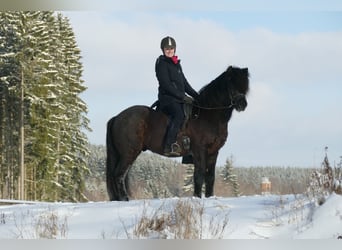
(43, 145)
(154, 176)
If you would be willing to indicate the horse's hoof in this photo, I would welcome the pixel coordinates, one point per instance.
(124, 198)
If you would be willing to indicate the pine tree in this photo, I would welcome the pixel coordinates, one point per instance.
(229, 177)
(75, 144)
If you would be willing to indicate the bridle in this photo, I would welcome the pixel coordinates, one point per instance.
(231, 105)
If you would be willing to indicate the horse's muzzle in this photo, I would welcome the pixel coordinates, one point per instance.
(240, 103)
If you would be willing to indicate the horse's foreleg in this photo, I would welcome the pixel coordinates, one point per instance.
(198, 181)
(210, 175)
(199, 173)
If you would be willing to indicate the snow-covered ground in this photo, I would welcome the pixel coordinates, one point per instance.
(246, 217)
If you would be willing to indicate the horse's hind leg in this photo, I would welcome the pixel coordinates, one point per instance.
(115, 186)
(120, 178)
(118, 165)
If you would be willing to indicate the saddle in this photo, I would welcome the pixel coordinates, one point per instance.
(187, 107)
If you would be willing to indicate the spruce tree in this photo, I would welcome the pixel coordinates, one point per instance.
(74, 143)
(229, 177)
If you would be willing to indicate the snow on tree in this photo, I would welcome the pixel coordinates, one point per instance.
(325, 181)
(155, 176)
(337, 185)
(230, 177)
(188, 186)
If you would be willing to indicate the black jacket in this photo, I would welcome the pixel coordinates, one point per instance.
(172, 82)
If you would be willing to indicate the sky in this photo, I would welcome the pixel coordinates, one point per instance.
(294, 56)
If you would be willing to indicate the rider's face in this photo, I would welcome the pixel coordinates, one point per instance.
(169, 52)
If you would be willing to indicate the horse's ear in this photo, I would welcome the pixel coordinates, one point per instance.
(230, 68)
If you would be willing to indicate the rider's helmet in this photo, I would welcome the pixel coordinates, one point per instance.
(168, 42)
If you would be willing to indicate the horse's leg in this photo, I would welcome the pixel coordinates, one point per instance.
(113, 158)
(116, 184)
(119, 181)
(210, 174)
(120, 178)
(199, 172)
(119, 160)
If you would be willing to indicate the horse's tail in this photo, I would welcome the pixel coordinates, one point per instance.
(112, 161)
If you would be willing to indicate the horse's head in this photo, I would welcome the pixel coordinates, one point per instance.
(239, 86)
(228, 90)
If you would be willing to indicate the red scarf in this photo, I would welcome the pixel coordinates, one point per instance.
(174, 59)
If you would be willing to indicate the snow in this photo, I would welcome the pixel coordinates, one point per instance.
(245, 217)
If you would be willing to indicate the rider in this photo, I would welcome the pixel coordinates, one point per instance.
(173, 87)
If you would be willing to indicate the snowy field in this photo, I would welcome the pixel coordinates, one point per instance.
(246, 217)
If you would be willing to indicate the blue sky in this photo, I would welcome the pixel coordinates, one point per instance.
(294, 57)
(285, 21)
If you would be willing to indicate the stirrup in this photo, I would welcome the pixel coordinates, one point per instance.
(175, 150)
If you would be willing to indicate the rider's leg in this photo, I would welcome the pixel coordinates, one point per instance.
(176, 115)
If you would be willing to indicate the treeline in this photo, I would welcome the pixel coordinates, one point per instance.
(43, 146)
(153, 176)
(284, 180)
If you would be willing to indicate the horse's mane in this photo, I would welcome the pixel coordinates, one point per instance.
(216, 93)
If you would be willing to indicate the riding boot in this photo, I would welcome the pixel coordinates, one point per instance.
(172, 148)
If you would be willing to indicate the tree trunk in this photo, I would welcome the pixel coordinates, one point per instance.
(21, 195)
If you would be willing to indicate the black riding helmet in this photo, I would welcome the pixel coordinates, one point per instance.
(167, 42)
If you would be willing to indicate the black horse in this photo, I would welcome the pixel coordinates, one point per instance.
(141, 128)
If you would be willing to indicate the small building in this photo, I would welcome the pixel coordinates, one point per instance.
(266, 186)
